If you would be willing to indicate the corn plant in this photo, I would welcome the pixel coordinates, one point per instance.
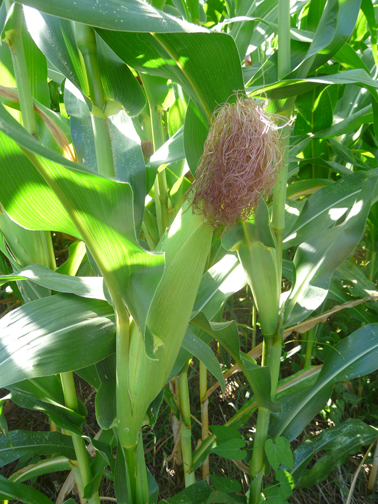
(185, 150)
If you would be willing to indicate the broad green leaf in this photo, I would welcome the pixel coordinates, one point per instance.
(325, 28)
(317, 259)
(355, 355)
(338, 19)
(293, 87)
(24, 187)
(23, 493)
(55, 38)
(323, 208)
(127, 153)
(198, 493)
(206, 65)
(123, 15)
(118, 81)
(279, 452)
(224, 332)
(172, 150)
(350, 123)
(63, 417)
(218, 283)
(23, 246)
(350, 59)
(341, 441)
(55, 334)
(242, 31)
(224, 484)
(231, 449)
(48, 466)
(89, 287)
(259, 378)
(195, 346)
(48, 389)
(81, 126)
(298, 409)
(98, 207)
(42, 443)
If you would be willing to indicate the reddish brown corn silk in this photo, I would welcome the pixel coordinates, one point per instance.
(240, 163)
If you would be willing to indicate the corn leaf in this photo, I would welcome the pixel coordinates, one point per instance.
(43, 443)
(195, 346)
(125, 15)
(316, 260)
(356, 355)
(51, 465)
(35, 341)
(90, 287)
(98, 207)
(20, 492)
(340, 441)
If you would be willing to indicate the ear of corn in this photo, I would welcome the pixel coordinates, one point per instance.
(186, 246)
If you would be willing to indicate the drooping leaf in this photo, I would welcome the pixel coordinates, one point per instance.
(259, 378)
(195, 346)
(98, 207)
(218, 283)
(43, 443)
(355, 355)
(24, 493)
(54, 334)
(89, 287)
(323, 208)
(127, 15)
(52, 464)
(340, 441)
(224, 332)
(317, 258)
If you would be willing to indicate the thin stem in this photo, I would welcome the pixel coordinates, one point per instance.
(309, 346)
(271, 358)
(186, 429)
(122, 380)
(86, 42)
(76, 255)
(204, 415)
(374, 471)
(82, 455)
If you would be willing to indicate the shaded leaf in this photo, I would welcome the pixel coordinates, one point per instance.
(54, 334)
(43, 443)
